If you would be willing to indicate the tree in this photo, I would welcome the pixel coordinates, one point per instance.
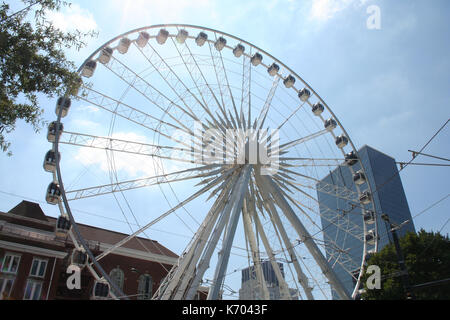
(33, 62)
(427, 259)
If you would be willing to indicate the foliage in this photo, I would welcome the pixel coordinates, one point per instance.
(427, 259)
(32, 62)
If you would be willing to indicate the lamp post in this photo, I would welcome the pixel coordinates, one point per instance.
(401, 261)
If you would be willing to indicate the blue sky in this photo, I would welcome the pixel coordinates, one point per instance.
(388, 87)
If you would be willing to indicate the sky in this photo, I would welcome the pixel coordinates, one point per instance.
(388, 86)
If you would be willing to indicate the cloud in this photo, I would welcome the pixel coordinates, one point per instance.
(323, 10)
(85, 124)
(133, 165)
(159, 11)
(89, 108)
(73, 18)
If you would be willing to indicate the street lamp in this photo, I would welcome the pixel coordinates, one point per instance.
(401, 260)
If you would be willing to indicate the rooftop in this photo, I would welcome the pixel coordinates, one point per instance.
(30, 214)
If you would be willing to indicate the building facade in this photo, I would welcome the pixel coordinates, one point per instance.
(34, 261)
(388, 197)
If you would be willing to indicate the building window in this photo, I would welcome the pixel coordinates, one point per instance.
(145, 287)
(6, 284)
(33, 290)
(117, 276)
(38, 268)
(10, 263)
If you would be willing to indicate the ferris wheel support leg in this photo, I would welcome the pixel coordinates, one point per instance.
(197, 249)
(224, 254)
(176, 286)
(255, 252)
(301, 275)
(302, 278)
(212, 242)
(305, 237)
(189, 260)
(284, 289)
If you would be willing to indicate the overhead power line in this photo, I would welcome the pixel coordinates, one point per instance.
(409, 162)
(415, 153)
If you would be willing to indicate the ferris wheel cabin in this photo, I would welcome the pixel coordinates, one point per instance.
(182, 36)
(162, 36)
(201, 39)
(238, 50)
(53, 194)
(105, 55)
(89, 69)
(273, 69)
(317, 109)
(142, 39)
(50, 161)
(220, 43)
(64, 104)
(63, 226)
(51, 133)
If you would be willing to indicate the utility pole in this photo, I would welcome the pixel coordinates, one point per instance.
(401, 260)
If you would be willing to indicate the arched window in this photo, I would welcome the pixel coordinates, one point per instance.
(117, 276)
(145, 287)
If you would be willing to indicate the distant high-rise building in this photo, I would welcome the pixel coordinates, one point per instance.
(250, 290)
(388, 197)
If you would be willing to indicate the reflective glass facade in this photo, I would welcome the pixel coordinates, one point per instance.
(388, 197)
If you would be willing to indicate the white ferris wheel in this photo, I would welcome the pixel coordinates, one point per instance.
(206, 135)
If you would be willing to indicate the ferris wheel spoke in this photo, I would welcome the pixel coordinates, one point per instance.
(201, 80)
(197, 77)
(140, 183)
(311, 159)
(340, 255)
(259, 122)
(296, 142)
(149, 92)
(125, 146)
(339, 220)
(161, 217)
(222, 80)
(300, 162)
(290, 116)
(166, 73)
(129, 113)
(246, 90)
(336, 190)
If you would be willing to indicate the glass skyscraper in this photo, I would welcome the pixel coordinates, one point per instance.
(388, 197)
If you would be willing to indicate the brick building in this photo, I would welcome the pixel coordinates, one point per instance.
(34, 261)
